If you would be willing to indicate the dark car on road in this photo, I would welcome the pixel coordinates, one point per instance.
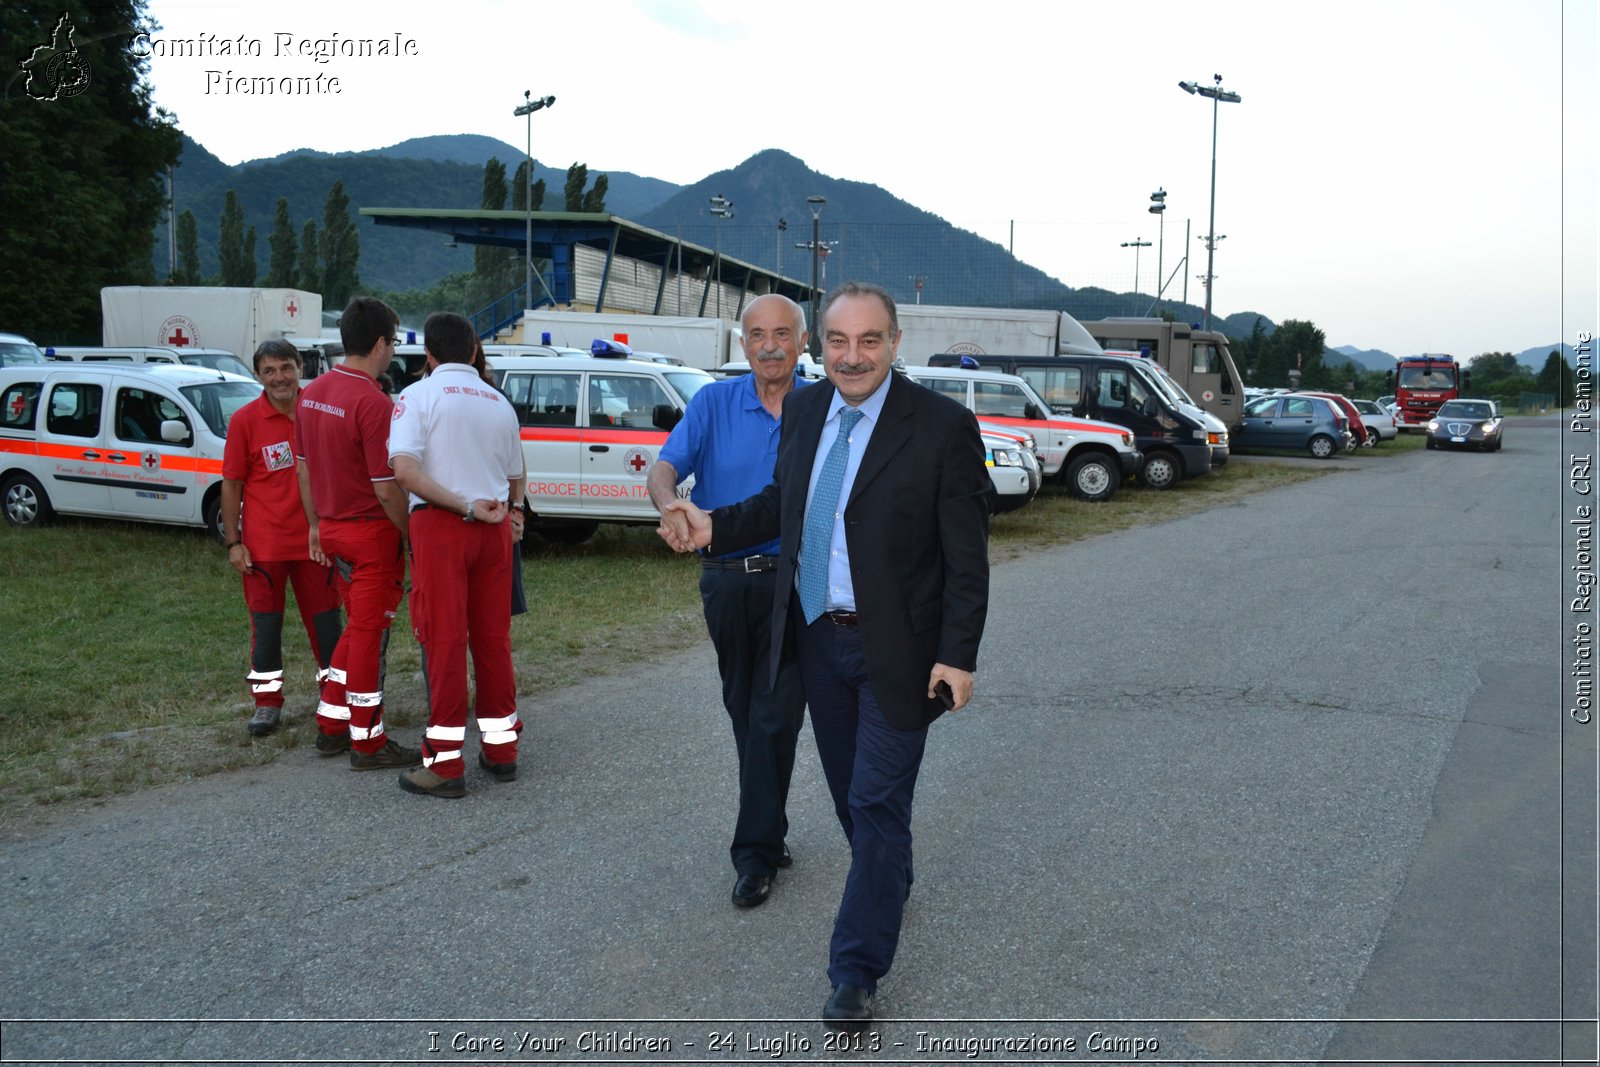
(1294, 421)
(1467, 424)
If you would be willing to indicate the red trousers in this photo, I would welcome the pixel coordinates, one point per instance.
(369, 573)
(265, 586)
(460, 572)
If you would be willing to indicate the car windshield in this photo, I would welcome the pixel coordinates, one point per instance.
(686, 383)
(1461, 409)
(15, 354)
(217, 401)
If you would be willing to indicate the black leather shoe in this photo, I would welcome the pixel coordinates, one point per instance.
(849, 1004)
(785, 860)
(751, 889)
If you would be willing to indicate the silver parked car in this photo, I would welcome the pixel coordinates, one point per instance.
(1378, 420)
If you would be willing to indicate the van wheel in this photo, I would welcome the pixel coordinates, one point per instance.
(26, 503)
(211, 515)
(569, 534)
(1321, 446)
(1093, 476)
(1162, 470)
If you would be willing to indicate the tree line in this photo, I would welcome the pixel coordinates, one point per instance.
(323, 261)
(1266, 359)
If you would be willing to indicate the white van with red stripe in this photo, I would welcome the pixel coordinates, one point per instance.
(591, 426)
(1090, 457)
(137, 441)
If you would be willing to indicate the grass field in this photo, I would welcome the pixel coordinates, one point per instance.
(126, 645)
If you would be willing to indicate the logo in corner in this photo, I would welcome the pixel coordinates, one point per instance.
(56, 71)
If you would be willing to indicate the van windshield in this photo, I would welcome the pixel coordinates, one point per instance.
(222, 361)
(687, 383)
(15, 354)
(217, 401)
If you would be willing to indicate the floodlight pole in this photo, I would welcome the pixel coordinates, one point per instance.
(529, 106)
(1218, 95)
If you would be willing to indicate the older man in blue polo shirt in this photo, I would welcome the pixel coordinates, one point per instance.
(728, 440)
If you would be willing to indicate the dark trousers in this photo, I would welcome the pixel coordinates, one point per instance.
(871, 768)
(766, 716)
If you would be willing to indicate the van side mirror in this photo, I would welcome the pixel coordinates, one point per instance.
(174, 432)
(1466, 378)
(1388, 379)
(665, 417)
(1150, 407)
(1031, 412)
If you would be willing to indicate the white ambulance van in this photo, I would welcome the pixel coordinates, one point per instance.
(591, 426)
(136, 441)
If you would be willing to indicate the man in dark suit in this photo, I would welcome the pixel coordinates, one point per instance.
(881, 499)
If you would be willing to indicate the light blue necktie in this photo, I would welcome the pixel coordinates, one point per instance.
(817, 536)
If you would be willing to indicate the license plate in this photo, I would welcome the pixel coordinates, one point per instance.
(1459, 440)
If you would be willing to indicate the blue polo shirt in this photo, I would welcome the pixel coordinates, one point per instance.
(729, 442)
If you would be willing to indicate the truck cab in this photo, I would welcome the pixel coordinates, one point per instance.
(1198, 360)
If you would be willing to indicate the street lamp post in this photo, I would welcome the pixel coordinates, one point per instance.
(815, 204)
(1158, 208)
(529, 106)
(1218, 95)
(721, 208)
(783, 224)
(1136, 244)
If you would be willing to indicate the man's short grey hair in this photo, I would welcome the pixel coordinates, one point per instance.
(877, 292)
(798, 312)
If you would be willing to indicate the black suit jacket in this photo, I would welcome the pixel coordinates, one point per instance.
(917, 528)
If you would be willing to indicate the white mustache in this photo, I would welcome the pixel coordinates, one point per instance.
(770, 355)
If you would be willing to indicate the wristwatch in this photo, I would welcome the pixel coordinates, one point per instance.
(468, 516)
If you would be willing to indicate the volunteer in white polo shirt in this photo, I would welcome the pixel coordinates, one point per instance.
(455, 447)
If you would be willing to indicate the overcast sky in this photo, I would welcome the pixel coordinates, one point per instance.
(1411, 175)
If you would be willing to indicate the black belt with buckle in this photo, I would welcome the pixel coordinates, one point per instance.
(842, 618)
(748, 564)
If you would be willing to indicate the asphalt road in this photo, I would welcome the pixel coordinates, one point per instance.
(1243, 786)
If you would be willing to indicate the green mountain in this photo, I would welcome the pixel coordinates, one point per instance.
(392, 177)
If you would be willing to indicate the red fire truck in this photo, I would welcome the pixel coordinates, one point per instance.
(1421, 384)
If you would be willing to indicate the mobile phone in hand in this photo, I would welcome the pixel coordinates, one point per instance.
(946, 697)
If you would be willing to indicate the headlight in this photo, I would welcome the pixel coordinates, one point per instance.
(1007, 457)
(1127, 438)
(1487, 427)
(1433, 424)
(1200, 435)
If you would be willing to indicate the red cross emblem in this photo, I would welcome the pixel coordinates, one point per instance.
(150, 461)
(178, 339)
(19, 404)
(636, 460)
(294, 309)
(638, 463)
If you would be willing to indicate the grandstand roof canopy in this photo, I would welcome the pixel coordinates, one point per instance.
(557, 233)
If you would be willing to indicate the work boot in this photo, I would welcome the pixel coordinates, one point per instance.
(503, 772)
(391, 756)
(264, 721)
(332, 744)
(423, 780)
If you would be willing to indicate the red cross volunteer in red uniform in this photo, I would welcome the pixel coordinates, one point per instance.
(357, 519)
(456, 448)
(266, 532)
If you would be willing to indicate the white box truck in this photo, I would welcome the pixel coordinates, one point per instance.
(931, 329)
(699, 342)
(206, 316)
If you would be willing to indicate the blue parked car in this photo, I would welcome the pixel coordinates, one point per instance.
(1307, 422)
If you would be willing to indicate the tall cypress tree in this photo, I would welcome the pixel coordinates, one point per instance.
(86, 153)
(230, 243)
(188, 272)
(491, 265)
(341, 249)
(309, 274)
(281, 265)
